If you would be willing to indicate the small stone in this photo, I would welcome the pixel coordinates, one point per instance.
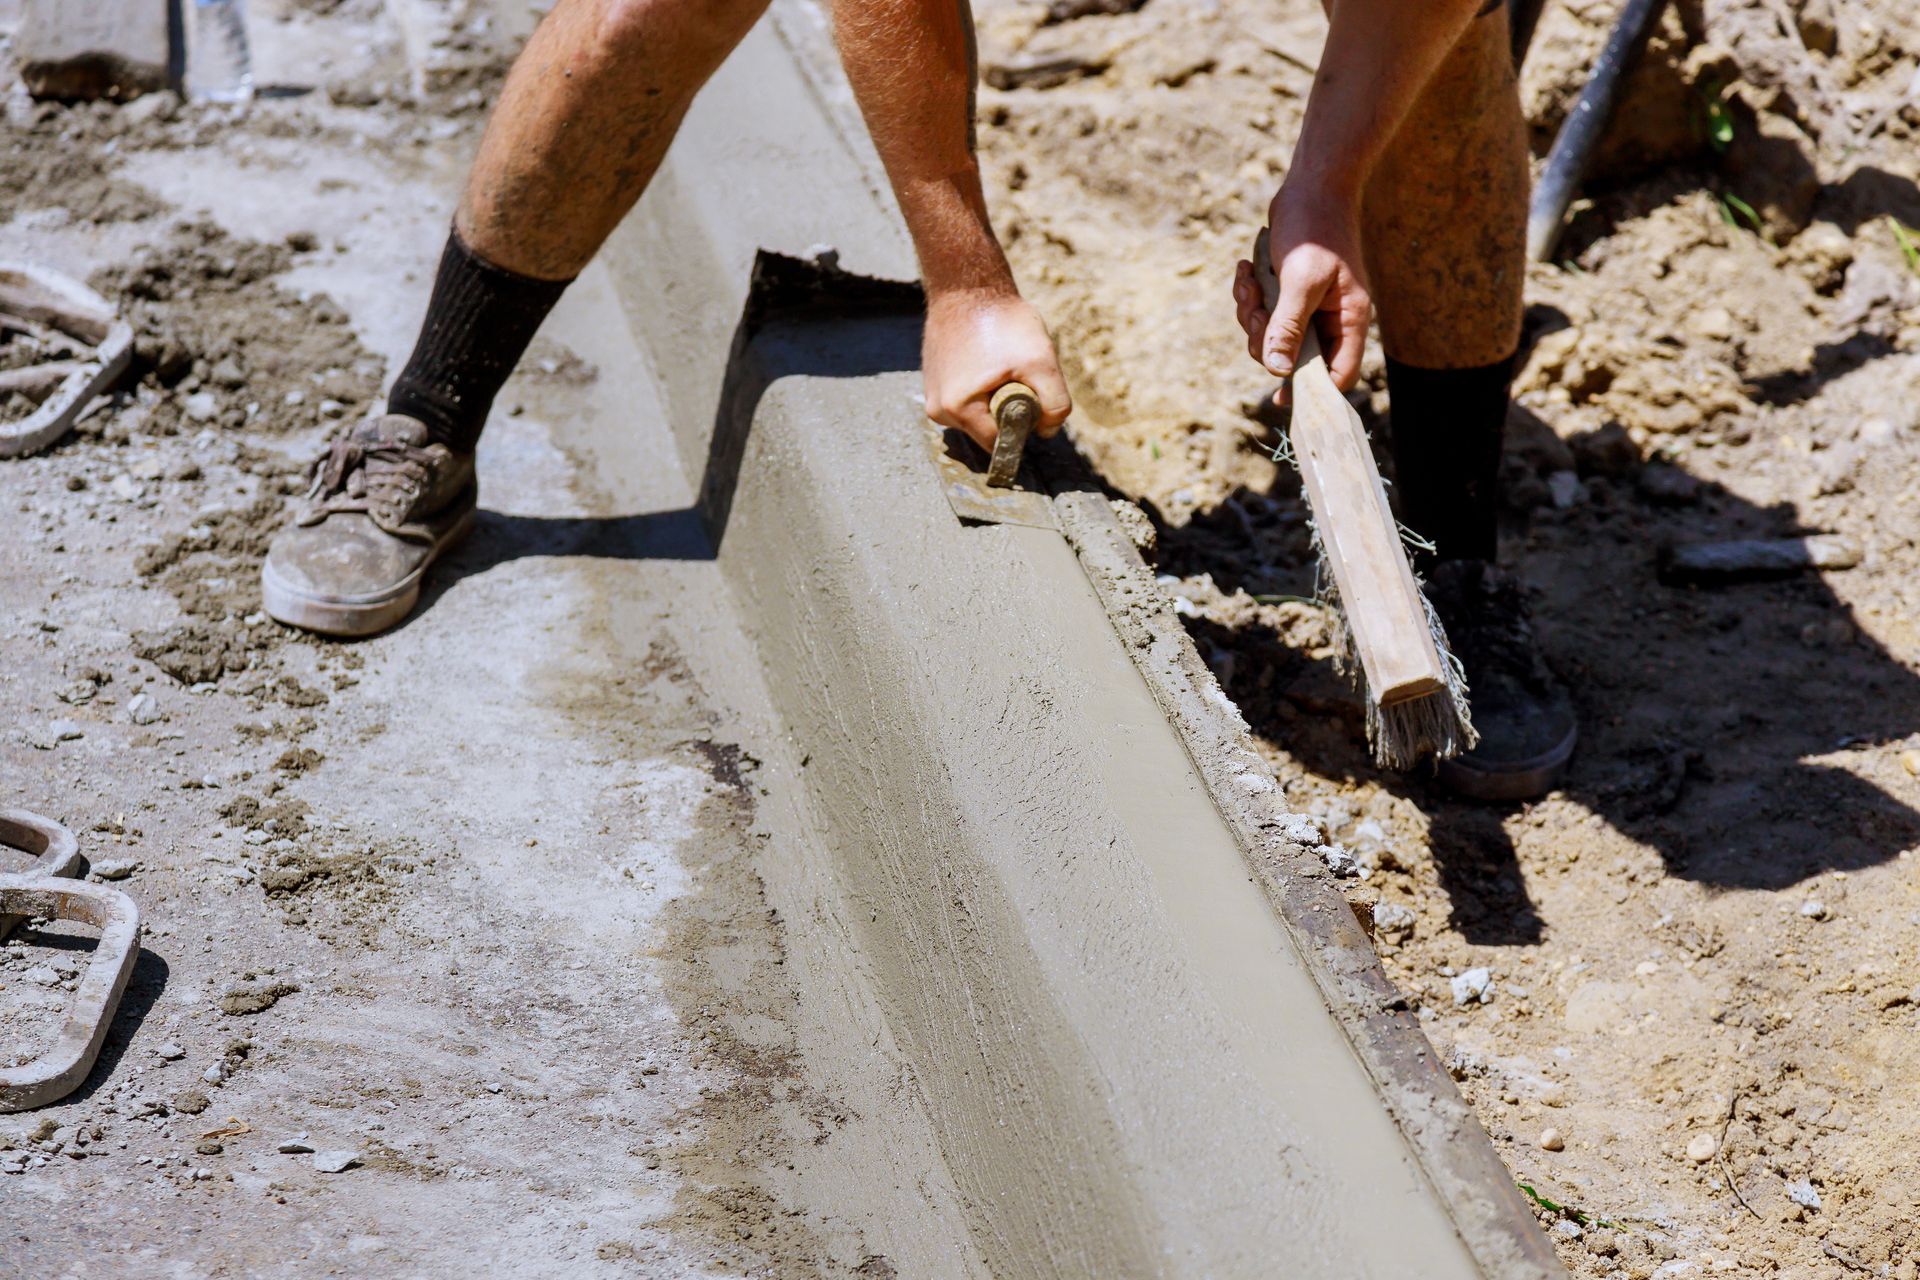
(41, 974)
(1803, 1194)
(119, 870)
(1910, 761)
(56, 732)
(1666, 485)
(1814, 909)
(207, 1147)
(1552, 1140)
(79, 693)
(1565, 489)
(1703, 1148)
(1712, 322)
(126, 488)
(214, 1074)
(143, 708)
(1475, 986)
(191, 1102)
(149, 108)
(1567, 1229)
(1875, 433)
(171, 1052)
(202, 406)
(335, 1161)
(1341, 860)
(294, 1147)
(258, 836)
(1394, 920)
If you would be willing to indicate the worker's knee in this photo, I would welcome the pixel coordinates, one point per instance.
(708, 27)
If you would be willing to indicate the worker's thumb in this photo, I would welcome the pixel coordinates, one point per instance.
(1287, 327)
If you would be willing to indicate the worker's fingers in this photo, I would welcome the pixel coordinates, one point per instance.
(971, 417)
(1050, 388)
(1343, 335)
(1249, 308)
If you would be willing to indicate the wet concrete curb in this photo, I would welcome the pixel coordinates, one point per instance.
(1146, 1030)
(1414, 1086)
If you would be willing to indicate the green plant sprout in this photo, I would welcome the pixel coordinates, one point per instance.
(1564, 1210)
(1732, 205)
(1719, 118)
(1905, 237)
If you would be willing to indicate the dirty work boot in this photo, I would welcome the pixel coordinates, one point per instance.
(384, 504)
(1523, 712)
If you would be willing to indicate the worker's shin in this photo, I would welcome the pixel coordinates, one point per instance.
(478, 326)
(1447, 427)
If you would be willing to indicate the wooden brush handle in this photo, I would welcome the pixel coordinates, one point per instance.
(1014, 408)
(1358, 534)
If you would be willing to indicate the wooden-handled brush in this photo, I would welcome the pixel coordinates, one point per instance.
(1413, 688)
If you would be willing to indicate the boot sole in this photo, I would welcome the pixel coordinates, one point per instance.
(1510, 782)
(354, 617)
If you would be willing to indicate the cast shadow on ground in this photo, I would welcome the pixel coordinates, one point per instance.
(1705, 712)
(144, 987)
(801, 318)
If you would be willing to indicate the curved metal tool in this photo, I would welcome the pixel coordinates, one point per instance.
(55, 852)
(58, 1071)
(38, 301)
(995, 496)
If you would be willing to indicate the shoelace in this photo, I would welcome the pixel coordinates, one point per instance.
(383, 477)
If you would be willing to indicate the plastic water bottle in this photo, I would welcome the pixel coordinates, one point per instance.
(219, 68)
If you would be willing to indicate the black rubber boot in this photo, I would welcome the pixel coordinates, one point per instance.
(1522, 711)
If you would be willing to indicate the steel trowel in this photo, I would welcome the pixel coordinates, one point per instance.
(1005, 492)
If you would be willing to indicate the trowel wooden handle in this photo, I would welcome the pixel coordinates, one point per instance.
(1015, 408)
(1358, 534)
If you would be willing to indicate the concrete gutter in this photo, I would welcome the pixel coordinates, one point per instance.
(1145, 1031)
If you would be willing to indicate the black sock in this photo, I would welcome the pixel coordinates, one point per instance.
(478, 326)
(1447, 426)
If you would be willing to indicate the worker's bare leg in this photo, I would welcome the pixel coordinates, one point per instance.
(1445, 215)
(585, 118)
(1444, 225)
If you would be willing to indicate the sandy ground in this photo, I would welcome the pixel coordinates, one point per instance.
(1702, 948)
(479, 903)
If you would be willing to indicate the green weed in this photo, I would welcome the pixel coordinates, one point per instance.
(1734, 212)
(1564, 1210)
(1905, 237)
(1717, 117)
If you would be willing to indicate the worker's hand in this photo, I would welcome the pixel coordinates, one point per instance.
(976, 342)
(1315, 243)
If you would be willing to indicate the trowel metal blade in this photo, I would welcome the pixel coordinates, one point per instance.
(973, 500)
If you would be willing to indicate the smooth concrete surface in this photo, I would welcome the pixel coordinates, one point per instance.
(1127, 1065)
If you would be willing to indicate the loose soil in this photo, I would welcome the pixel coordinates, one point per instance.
(1702, 946)
(1701, 949)
(506, 941)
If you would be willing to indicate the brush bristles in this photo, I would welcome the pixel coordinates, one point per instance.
(1439, 725)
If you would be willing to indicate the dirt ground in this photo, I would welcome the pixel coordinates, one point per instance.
(476, 907)
(1702, 949)
(1701, 1034)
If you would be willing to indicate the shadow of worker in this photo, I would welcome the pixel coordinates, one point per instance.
(1739, 729)
(801, 317)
